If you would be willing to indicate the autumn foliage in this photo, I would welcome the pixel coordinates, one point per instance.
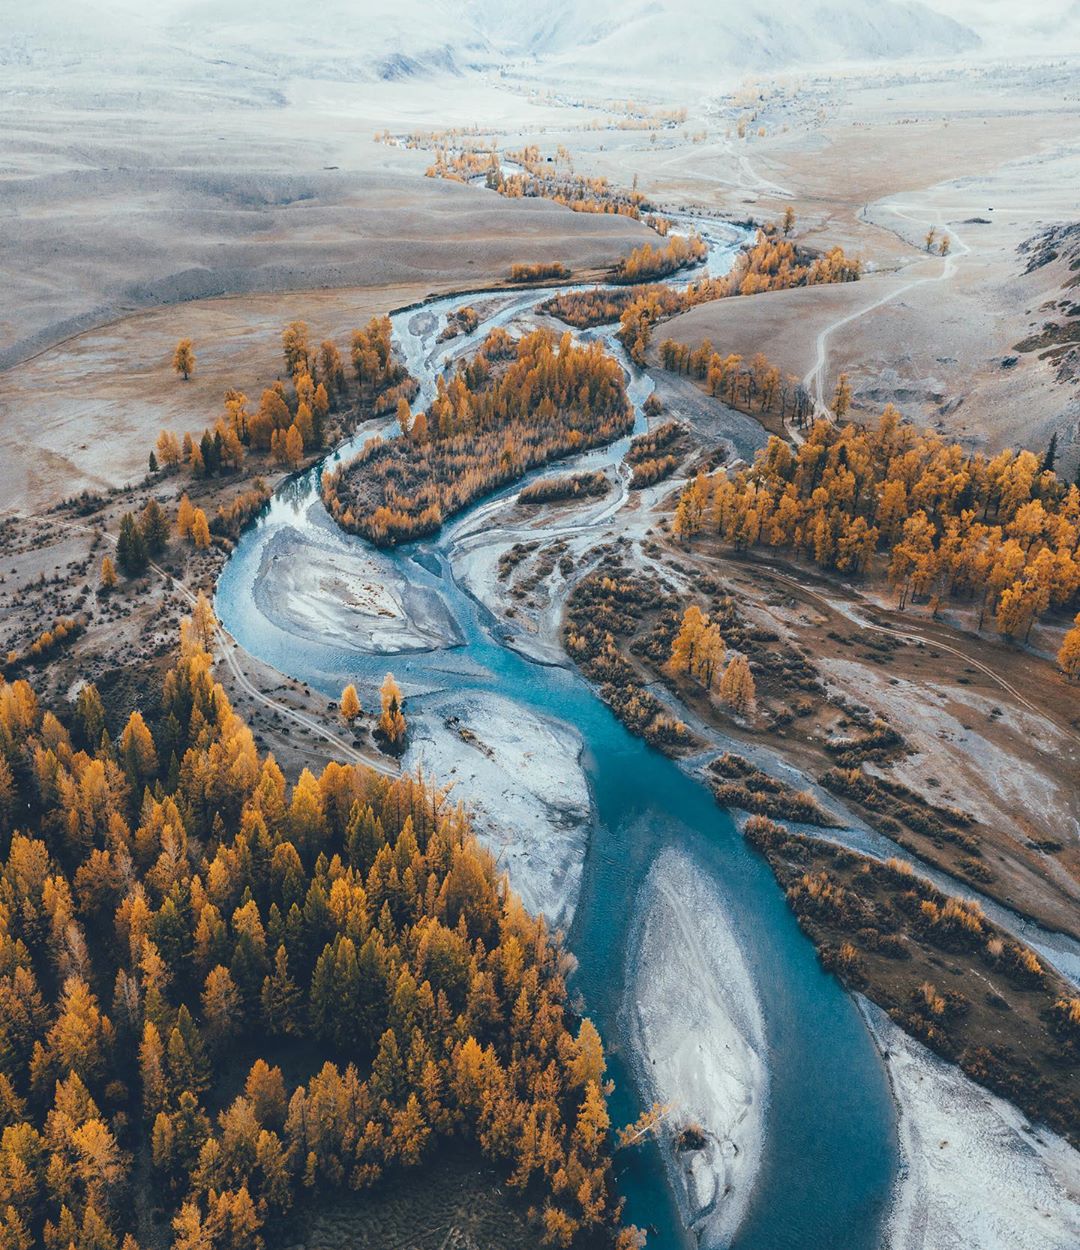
(770, 265)
(514, 406)
(538, 271)
(291, 419)
(933, 518)
(647, 263)
(748, 385)
(170, 908)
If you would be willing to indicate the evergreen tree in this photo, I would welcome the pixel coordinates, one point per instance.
(131, 547)
(1049, 460)
(154, 527)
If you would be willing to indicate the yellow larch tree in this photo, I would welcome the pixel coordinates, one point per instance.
(737, 685)
(1068, 657)
(183, 360)
(168, 450)
(392, 719)
(684, 646)
(185, 517)
(350, 703)
(200, 529)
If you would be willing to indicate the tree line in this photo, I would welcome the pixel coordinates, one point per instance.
(772, 264)
(739, 383)
(1002, 531)
(539, 178)
(170, 909)
(647, 263)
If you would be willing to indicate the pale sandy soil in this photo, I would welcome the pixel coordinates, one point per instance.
(992, 729)
(974, 1174)
(287, 191)
(349, 597)
(86, 412)
(871, 161)
(520, 776)
(782, 324)
(703, 1053)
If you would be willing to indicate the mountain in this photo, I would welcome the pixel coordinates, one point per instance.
(1008, 28)
(701, 40)
(606, 44)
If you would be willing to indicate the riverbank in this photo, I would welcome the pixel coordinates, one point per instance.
(521, 779)
(975, 1173)
(702, 1052)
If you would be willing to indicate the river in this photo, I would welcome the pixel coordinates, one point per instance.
(829, 1156)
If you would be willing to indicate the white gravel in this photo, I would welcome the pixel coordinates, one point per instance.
(521, 778)
(700, 1039)
(975, 1175)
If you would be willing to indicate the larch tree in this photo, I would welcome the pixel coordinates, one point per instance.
(788, 223)
(222, 1006)
(137, 750)
(203, 623)
(737, 685)
(108, 575)
(296, 347)
(200, 529)
(294, 447)
(392, 718)
(185, 516)
(1068, 657)
(305, 423)
(331, 370)
(842, 398)
(945, 246)
(710, 656)
(685, 644)
(168, 449)
(931, 238)
(184, 359)
(350, 703)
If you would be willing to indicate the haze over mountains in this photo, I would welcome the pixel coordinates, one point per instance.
(696, 41)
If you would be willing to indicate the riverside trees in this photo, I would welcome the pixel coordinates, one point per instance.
(995, 530)
(172, 898)
(772, 264)
(515, 405)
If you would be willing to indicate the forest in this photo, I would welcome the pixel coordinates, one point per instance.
(647, 263)
(570, 486)
(539, 271)
(515, 405)
(222, 998)
(939, 523)
(753, 386)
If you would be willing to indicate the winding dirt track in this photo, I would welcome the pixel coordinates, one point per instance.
(814, 381)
